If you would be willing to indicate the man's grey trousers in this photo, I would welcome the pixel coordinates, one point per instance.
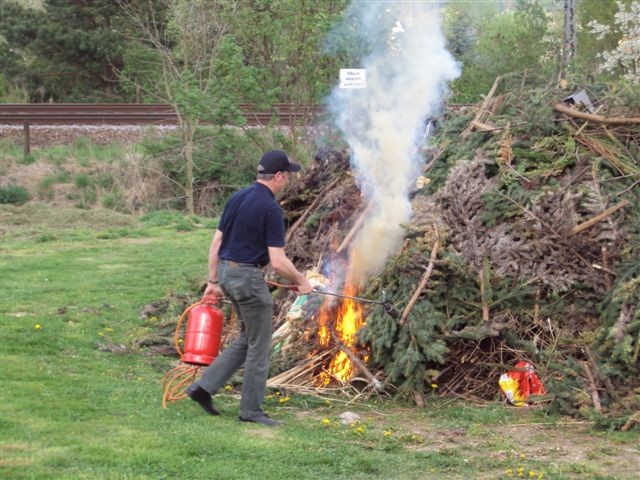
(244, 285)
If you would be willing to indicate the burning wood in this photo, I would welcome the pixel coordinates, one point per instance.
(336, 324)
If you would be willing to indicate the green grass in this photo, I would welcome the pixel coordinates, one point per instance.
(72, 284)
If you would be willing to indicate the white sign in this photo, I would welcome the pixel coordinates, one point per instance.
(353, 78)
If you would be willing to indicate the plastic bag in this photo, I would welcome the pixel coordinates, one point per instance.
(518, 384)
(297, 307)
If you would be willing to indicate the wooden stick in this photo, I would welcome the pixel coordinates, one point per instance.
(425, 278)
(633, 420)
(359, 364)
(584, 225)
(561, 107)
(310, 208)
(354, 230)
(483, 108)
(587, 121)
(593, 390)
(485, 305)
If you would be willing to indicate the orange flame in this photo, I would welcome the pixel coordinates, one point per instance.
(347, 322)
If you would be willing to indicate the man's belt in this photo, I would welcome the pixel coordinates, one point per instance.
(241, 264)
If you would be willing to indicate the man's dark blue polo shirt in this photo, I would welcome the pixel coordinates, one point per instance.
(251, 222)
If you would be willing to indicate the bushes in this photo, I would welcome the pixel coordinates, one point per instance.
(14, 194)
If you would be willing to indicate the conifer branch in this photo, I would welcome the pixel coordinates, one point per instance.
(425, 277)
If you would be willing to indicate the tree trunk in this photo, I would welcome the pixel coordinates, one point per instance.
(569, 41)
(188, 130)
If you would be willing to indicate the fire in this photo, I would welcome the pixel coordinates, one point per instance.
(348, 320)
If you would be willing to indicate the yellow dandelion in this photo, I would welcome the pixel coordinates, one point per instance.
(387, 433)
(434, 385)
(228, 388)
(541, 475)
(326, 421)
(38, 326)
(283, 400)
(532, 473)
(509, 472)
(523, 456)
(108, 329)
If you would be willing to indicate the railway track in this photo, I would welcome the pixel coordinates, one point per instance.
(140, 114)
(28, 114)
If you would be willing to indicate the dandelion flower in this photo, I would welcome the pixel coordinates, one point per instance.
(387, 433)
(532, 473)
(283, 400)
(38, 326)
(434, 385)
(228, 388)
(326, 421)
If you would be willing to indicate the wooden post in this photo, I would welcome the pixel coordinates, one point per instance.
(27, 140)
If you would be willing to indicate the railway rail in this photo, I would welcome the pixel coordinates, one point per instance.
(28, 114)
(139, 114)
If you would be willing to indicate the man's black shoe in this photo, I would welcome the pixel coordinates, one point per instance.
(262, 419)
(201, 396)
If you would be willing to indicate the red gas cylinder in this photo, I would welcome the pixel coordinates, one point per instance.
(203, 333)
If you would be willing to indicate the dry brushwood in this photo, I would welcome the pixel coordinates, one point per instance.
(534, 244)
(561, 107)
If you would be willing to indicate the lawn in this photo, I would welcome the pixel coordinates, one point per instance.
(78, 401)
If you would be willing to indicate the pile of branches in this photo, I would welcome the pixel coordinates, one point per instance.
(525, 245)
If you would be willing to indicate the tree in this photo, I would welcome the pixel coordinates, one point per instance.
(284, 40)
(65, 51)
(589, 46)
(625, 57)
(190, 60)
(569, 38)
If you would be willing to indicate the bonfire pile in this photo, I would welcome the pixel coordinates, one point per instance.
(524, 245)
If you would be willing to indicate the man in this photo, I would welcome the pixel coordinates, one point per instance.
(250, 236)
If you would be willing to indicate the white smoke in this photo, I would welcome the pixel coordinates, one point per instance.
(407, 70)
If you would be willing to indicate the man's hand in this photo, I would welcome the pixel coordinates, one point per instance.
(304, 287)
(213, 290)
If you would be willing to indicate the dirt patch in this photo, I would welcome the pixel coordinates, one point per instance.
(568, 445)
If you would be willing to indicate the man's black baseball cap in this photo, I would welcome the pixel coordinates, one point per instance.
(276, 161)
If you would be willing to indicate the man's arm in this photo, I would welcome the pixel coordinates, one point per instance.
(213, 288)
(283, 266)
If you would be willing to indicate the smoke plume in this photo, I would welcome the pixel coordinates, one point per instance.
(407, 70)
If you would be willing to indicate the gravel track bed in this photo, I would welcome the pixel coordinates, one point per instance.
(51, 135)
